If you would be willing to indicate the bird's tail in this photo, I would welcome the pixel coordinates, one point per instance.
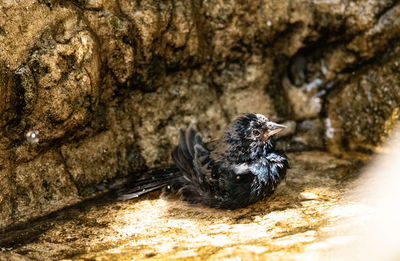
(152, 180)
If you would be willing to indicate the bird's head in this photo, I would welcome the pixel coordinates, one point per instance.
(251, 132)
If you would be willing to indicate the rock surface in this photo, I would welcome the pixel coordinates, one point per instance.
(290, 224)
(93, 90)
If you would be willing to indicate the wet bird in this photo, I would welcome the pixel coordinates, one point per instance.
(240, 168)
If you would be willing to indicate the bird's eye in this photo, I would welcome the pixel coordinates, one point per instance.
(269, 125)
(256, 133)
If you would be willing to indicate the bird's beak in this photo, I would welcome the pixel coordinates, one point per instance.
(273, 128)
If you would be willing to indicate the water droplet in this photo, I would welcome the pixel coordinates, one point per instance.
(330, 131)
(32, 136)
(324, 70)
(105, 14)
(20, 70)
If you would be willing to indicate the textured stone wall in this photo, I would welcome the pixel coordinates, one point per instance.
(91, 90)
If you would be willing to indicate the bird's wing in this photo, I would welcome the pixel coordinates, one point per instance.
(184, 154)
(192, 157)
(209, 179)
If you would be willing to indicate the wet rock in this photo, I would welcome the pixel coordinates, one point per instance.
(101, 158)
(308, 135)
(165, 227)
(366, 109)
(289, 130)
(7, 190)
(42, 191)
(13, 257)
(66, 84)
(188, 100)
(306, 104)
(113, 34)
(126, 75)
(384, 29)
(247, 100)
(8, 110)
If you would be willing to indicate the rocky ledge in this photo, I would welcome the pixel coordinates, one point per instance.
(95, 90)
(293, 223)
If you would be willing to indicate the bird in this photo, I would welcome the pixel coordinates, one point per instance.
(238, 169)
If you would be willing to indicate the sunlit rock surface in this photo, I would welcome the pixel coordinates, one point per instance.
(96, 90)
(290, 224)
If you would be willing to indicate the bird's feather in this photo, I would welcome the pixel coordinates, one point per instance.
(232, 172)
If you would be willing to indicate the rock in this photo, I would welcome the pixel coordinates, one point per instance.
(165, 227)
(13, 257)
(308, 196)
(46, 189)
(123, 76)
(289, 130)
(101, 158)
(247, 100)
(308, 135)
(363, 113)
(7, 190)
(187, 100)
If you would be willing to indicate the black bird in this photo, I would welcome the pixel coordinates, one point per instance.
(240, 168)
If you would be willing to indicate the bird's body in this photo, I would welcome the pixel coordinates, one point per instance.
(240, 168)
